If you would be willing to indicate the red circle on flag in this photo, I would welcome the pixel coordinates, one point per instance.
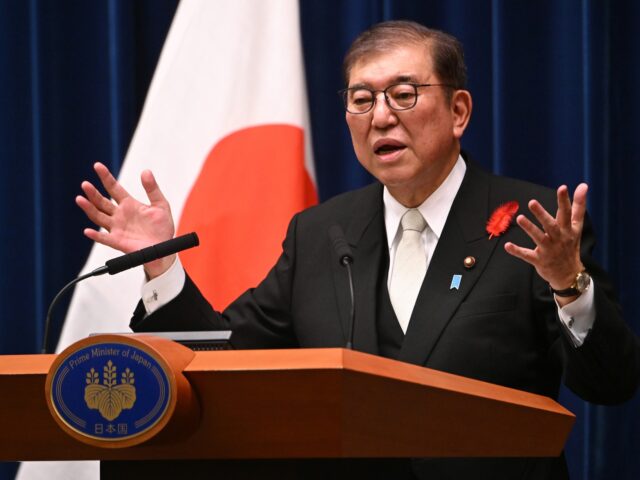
(251, 184)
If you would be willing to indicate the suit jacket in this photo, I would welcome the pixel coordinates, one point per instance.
(500, 326)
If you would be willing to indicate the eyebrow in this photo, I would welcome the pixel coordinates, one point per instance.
(398, 79)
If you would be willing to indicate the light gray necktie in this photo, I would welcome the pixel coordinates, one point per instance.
(409, 267)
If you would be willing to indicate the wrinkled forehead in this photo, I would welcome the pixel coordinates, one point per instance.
(393, 63)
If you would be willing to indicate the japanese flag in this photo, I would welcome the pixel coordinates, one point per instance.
(225, 130)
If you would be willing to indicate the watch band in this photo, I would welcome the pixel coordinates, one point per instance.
(567, 292)
(579, 285)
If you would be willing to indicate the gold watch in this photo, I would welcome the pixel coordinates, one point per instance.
(580, 284)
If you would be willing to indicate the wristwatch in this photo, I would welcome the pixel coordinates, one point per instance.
(579, 285)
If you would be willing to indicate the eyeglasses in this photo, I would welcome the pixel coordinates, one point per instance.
(399, 96)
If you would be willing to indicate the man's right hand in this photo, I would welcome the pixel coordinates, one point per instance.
(130, 225)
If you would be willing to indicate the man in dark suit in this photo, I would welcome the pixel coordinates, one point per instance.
(521, 307)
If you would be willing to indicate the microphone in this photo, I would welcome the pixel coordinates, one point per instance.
(340, 245)
(149, 254)
(345, 257)
(125, 262)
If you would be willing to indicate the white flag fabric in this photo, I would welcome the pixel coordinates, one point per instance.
(225, 131)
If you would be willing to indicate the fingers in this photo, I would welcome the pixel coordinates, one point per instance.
(100, 237)
(94, 214)
(92, 234)
(97, 199)
(151, 188)
(118, 192)
(125, 224)
(525, 254)
(98, 208)
(111, 185)
(549, 223)
(537, 235)
(569, 215)
(579, 206)
(556, 256)
(563, 217)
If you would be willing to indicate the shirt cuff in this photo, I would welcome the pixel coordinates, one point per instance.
(578, 316)
(164, 288)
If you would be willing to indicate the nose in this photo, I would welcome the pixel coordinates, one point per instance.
(382, 116)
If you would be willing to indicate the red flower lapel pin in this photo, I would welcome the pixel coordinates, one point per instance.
(501, 218)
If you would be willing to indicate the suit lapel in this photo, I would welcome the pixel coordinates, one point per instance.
(364, 231)
(463, 235)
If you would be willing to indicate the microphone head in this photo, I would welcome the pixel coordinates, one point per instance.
(340, 245)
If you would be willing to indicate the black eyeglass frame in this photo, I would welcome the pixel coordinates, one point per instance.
(374, 94)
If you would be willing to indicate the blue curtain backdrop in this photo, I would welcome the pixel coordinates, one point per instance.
(555, 88)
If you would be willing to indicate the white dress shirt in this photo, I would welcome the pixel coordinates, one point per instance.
(577, 317)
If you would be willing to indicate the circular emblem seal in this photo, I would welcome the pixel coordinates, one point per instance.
(109, 391)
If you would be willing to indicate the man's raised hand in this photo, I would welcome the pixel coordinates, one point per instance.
(128, 224)
(556, 256)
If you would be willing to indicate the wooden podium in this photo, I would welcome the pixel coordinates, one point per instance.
(303, 403)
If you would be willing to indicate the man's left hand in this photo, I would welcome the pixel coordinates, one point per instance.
(556, 256)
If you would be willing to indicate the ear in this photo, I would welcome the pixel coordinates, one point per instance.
(461, 105)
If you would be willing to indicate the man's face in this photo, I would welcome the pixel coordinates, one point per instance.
(410, 151)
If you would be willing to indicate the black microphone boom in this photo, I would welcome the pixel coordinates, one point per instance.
(125, 262)
(340, 244)
(345, 256)
(154, 252)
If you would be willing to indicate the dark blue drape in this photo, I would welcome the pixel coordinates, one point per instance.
(73, 77)
(555, 95)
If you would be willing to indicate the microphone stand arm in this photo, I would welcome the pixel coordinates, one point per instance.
(94, 273)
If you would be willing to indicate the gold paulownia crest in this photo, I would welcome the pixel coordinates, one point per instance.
(110, 398)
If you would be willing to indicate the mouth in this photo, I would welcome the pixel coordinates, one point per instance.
(387, 148)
